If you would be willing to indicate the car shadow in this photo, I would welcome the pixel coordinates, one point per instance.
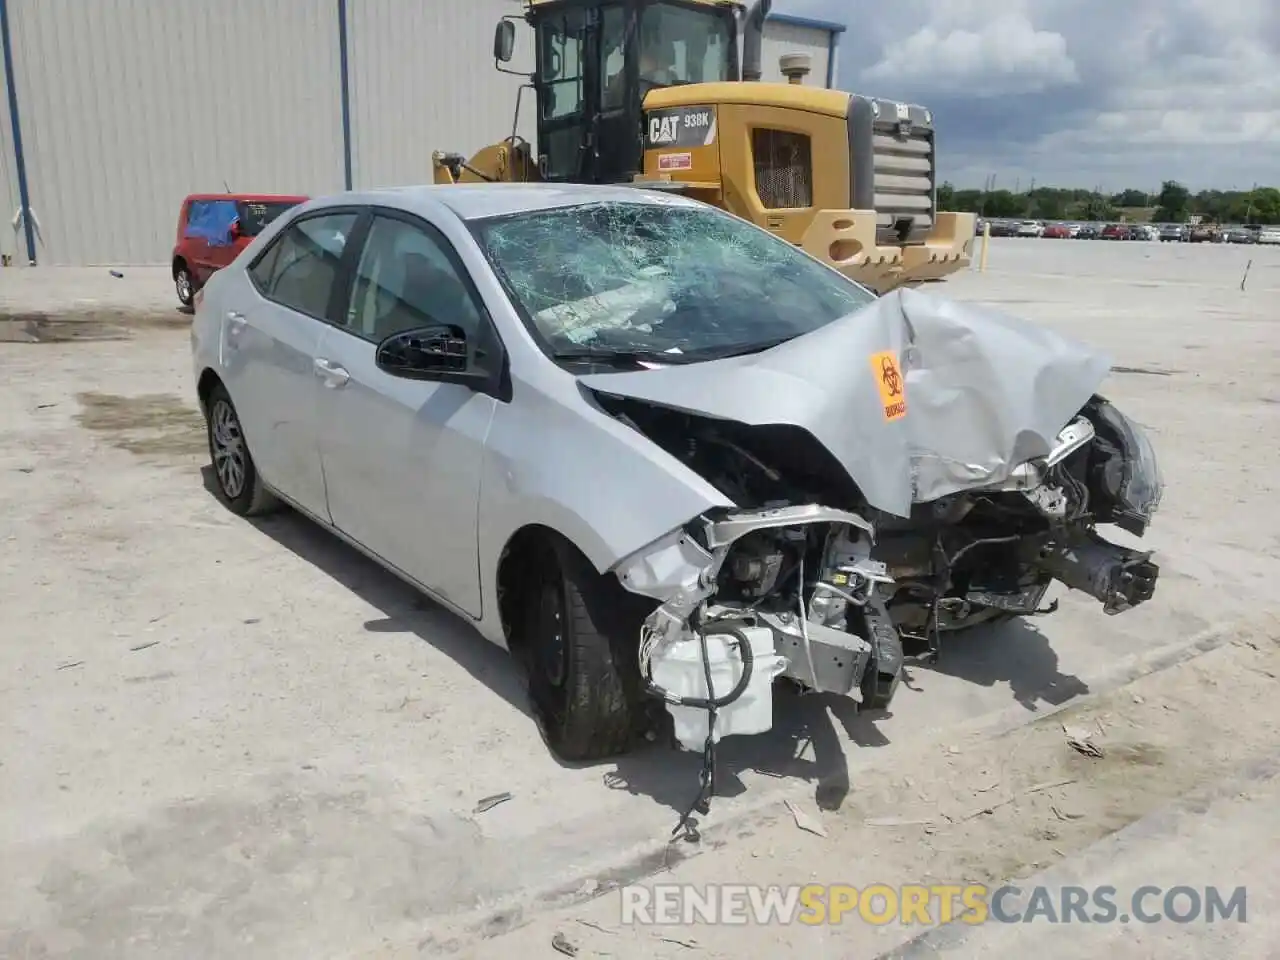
(1016, 654)
(404, 609)
(810, 731)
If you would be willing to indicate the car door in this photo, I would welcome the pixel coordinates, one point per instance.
(195, 240)
(276, 313)
(222, 243)
(402, 457)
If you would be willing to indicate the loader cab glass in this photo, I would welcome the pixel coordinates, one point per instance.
(562, 121)
(680, 45)
(597, 61)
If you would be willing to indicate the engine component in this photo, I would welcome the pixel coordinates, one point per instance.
(840, 658)
(884, 672)
(1121, 578)
(755, 564)
(847, 576)
(742, 665)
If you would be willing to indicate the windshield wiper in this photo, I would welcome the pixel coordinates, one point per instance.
(612, 357)
(743, 349)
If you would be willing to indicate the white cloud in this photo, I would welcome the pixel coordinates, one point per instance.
(1004, 55)
(1080, 92)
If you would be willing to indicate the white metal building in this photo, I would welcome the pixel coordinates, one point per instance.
(116, 111)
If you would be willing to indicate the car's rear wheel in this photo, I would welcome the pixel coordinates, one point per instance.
(184, 284)
(236, 477)
(580, 642)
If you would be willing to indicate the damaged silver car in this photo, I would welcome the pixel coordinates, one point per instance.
(661, 454)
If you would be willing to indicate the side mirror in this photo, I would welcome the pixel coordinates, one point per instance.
(504, 41)
(424, 353)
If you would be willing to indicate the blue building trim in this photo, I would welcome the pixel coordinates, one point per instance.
(807, 22)
(833, 31)
(345, 93)
(19, 160)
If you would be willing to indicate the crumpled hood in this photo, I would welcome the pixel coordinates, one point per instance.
(916, 395)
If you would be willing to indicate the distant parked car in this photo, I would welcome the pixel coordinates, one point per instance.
(1115, 231)
(1269, 235)
(1143, 231)
(1030, 228)
(1057, 231)
(1239, 235)
(1173, 232)
(1003, 228)
(1203, 233)
(212, 230)
(1089, 231)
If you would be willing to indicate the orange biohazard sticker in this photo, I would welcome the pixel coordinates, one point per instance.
(891, 383)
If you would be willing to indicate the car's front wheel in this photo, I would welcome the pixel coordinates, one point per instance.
(581, 640)
(236, 477)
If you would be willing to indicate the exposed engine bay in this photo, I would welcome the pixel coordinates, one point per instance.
(808, 582)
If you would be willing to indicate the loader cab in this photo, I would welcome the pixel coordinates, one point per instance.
(596, 60)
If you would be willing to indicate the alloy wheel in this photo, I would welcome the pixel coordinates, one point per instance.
(227, 442)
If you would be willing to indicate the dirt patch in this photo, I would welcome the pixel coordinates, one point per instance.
(88, 326)
(976, 808)
(154, 424)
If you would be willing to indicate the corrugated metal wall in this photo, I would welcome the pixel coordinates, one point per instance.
(422, 79)
(784, 38)
(12, 243)
(129, 105)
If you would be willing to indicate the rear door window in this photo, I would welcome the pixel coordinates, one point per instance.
(211, 220)
(300, 267)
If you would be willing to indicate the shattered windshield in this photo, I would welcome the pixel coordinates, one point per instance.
(656, 278)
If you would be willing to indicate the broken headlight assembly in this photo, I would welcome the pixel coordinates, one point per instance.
(1125, 468)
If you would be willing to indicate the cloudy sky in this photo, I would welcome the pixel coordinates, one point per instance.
(1116, 93)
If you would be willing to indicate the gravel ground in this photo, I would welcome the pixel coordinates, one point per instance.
(229, 738)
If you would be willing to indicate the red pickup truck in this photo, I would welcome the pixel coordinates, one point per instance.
(212, 230)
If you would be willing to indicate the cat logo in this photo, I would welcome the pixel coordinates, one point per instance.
(680, 127)
(664, 129)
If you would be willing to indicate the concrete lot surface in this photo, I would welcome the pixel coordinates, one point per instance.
(224, 738)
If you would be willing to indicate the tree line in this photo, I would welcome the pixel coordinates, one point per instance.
(1173, 203)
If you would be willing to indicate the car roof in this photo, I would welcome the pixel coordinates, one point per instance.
(250, 197)
(475, 201)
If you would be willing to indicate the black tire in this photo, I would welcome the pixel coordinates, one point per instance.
(184, 284)
(584, 678)
(236, 478)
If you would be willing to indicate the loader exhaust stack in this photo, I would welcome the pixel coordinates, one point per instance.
(753, 39)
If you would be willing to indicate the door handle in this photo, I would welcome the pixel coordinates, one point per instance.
(332, 374)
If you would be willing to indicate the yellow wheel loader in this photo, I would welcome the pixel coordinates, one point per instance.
(654, 93)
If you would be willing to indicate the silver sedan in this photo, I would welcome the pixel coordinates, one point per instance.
(662, 455)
